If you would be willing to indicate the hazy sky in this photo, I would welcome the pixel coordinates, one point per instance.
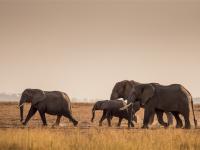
(85, 47)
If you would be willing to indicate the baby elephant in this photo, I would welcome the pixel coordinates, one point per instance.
(112, 108)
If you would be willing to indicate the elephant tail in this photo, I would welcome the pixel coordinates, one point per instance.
(93, 114)
(195, 121)
(192, 105)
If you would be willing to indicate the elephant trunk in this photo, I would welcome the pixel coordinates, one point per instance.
(93, 114)
(21, 112)
(21, 107)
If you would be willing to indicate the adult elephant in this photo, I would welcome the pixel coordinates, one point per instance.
(123, 89)
(50, 102)
(112, 108)
(173, 98)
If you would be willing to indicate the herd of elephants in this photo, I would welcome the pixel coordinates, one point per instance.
(154, 98)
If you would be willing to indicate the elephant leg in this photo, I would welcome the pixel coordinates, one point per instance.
(132, 124)
(187, 120)
(57, 120)
(109, 122)
(31, 112)
(42, 115)
(160, 118)
(169, 118)
(103, 117)
(151, 119)
(130, 117)
(71, 118)
(135, 118)
(109, 117)
(119, 123)
(147, 114)
(179, 122)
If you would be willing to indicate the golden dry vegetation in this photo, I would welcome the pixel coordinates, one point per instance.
(89, 135)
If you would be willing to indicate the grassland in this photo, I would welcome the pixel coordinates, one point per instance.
(88, 135)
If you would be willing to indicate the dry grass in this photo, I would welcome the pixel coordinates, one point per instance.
(95, 139)
(14, 136)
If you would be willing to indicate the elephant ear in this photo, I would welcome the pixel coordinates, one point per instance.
(38, 96)
(147, 91)
(136, 106)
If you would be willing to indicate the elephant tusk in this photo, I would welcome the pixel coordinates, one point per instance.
(20, 105)
(125, 107)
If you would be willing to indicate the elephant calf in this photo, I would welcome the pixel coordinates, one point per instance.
(112, 108)
(53, 103)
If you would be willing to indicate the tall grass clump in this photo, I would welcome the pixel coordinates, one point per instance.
(99, 139)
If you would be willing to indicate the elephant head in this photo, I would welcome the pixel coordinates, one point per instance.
(122, 89)
(142, 93)
(32, 96)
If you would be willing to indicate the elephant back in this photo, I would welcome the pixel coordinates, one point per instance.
(114, 104)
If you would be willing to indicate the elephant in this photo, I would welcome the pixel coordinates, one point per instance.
(111, 108)
(173, 98)
(123, 89)
(50, 102)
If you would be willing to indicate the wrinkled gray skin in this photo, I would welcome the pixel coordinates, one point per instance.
(53, 103)
(155, 97)
(123, 89)
(111, 108)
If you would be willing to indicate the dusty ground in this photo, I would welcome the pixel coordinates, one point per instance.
(9, 117)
